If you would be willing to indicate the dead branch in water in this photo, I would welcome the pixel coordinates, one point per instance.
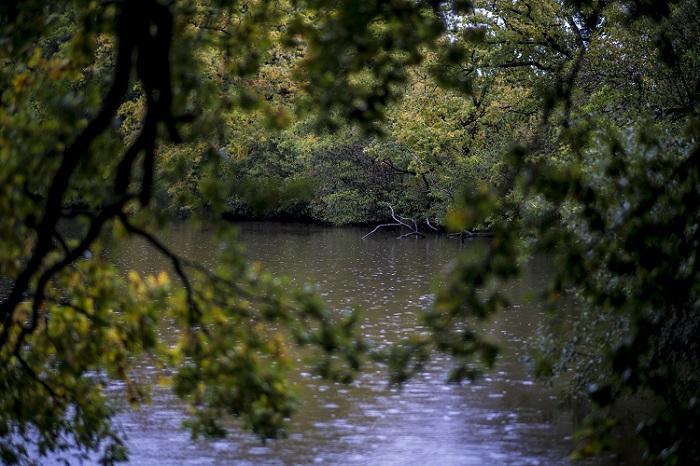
(400, 221)
(412, 226)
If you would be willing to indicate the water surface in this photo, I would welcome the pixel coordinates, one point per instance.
(506, 418)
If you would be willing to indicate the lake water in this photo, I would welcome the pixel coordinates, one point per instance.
(505, 418)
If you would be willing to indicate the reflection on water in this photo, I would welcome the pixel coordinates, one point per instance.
(503, 419)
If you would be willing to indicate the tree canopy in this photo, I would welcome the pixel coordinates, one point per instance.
(569, 128)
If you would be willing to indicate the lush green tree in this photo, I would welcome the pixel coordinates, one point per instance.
(93, 94)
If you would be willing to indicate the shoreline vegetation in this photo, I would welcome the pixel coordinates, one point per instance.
(371, 226)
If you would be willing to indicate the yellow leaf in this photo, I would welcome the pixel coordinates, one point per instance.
(20, 81)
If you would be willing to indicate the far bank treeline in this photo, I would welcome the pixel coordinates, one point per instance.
(257, 161)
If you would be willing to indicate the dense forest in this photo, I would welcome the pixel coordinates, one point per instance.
(456, 118)
(566, 128)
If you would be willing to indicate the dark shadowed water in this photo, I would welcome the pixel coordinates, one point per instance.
(506, 418)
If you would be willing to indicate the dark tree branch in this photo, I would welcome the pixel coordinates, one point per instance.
(62, 242)
(40, 293)
(32, 373)
(144, 27)
(391, 165)
(176, 261)
(71, 157)
(80, 310)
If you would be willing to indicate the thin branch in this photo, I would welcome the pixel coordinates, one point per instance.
(391, 165)
(412, 233)
(383, 225)
(32, 373)
(397, 219)
(175, 260)
(78, 309)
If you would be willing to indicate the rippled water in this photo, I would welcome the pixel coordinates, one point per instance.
(506, 418)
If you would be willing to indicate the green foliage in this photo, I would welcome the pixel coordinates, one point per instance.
(570, 125)
(237, 361)
(358, 54)
(606, 185)
(116, 115)
(95, 324)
